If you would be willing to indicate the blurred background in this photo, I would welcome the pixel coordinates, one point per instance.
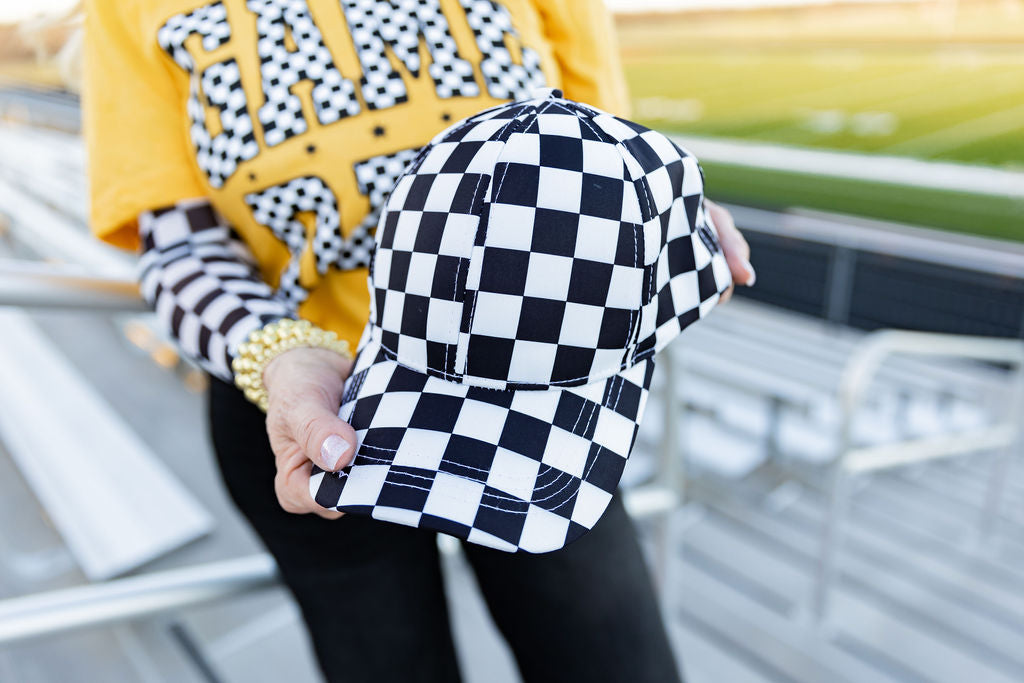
(828, 480)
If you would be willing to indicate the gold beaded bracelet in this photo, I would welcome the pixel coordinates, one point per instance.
(269, 342)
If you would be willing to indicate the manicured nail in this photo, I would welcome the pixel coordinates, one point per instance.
(334, 447)
(750, 271)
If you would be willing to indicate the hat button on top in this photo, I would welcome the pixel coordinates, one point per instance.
(548, 93)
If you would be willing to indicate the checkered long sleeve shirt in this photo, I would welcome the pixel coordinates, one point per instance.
(203, 284)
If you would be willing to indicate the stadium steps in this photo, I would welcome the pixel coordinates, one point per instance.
(909, 604)
(734, 381)
(917, 599)
(41, 106)
(48, 165)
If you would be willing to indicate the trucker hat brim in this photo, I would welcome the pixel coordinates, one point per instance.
(517, 470)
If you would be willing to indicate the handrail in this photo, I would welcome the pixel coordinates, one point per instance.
(899, 240)
(63, 237)
(49, 285)
(867, 360)
(885, 456)
(118, 600)
(860, 371)
(38, 285)
(850, 165)
(41, 614)
(899, 171)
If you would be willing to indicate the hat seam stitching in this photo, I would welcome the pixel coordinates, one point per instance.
(472, 313)
(644, 191)
(644, 186)
(578, 418)
(507, 477)
(634, 319)
(586, 473)
(623, 366)
(480, 503)
(451, 497)
(586, 428)
(506, 498)
(455, 321)
(597, 407)
(627, 361)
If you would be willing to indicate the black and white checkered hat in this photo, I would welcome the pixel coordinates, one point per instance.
(530, 262)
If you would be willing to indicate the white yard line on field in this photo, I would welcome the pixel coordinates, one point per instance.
(836, 95)
(957, 135)
(933, 175)
(883, 116)
(969, 87)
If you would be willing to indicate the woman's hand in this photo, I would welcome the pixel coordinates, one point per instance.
(736, 249)
(304, 386)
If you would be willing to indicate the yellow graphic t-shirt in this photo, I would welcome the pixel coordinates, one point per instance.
(295, 117)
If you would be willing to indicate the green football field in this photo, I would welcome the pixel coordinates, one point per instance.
(952, 101)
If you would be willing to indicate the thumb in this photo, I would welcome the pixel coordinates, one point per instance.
(326, 439)
(735, 247)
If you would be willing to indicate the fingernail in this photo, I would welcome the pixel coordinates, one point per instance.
(333, 448)
(750, 271)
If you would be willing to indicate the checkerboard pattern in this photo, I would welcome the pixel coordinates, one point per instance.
(376, 177)
(281, 68)
(209, 21)
(684, 264)
(513, 470)
(203, 283)
(530, 262)
(398, 24)
(424, 242)
(219, 155)
(556, 294)
(219, 85)
(278, 207)
(492, 25)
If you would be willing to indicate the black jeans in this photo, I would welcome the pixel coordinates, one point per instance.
(372, 597)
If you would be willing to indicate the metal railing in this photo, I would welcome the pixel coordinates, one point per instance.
(52, 286)
(29, 284)
(835, 267)
(71, 287)
(43, 614)
(1004, 436)
(35, 285)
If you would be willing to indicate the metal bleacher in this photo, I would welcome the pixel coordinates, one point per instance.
(734, 479)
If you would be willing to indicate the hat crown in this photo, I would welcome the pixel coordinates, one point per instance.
(535, 245)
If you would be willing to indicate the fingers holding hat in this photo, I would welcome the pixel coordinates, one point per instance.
(325, 439)
(304, 386)
(737, 251)
(304, 432)
(291, 485)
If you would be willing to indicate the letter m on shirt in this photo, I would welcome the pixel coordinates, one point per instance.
(399, 24)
